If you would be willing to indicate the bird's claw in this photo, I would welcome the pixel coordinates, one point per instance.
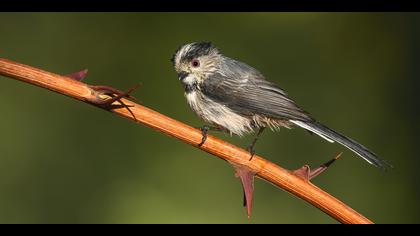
(251, 151)
(250, 148)
(204, 130)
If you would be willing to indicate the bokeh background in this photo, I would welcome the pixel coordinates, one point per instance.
(63, 161)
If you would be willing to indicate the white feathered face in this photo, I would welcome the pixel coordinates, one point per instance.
(193, 62)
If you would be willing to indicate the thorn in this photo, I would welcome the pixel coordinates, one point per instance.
(115, 95)
(323, 167)
(113, 91)
(79, 76)
(305, 171)
(246, 175)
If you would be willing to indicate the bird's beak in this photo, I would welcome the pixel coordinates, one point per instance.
(182, 75)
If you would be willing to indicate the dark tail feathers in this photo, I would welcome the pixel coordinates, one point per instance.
(349, 143)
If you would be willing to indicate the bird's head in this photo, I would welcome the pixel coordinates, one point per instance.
(195, 61)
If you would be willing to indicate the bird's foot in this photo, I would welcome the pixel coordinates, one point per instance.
(251, 145)
(251, 151)
(204, 130)
(307, 174)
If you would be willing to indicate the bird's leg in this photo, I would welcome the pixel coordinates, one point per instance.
(251, 146)
(204, 130)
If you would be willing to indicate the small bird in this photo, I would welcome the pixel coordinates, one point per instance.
(234, 97)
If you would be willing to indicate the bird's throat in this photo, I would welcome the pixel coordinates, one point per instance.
(190, 83)
(190, 87)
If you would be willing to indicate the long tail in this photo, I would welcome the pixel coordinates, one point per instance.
(331, 136)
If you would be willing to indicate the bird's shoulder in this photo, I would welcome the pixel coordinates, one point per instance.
(234, 75)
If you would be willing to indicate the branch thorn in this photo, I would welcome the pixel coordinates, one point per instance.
(79, 76)
(115, 95)
(246, 175)
(307, 174)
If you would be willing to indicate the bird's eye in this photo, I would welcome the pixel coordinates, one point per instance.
(195, 63)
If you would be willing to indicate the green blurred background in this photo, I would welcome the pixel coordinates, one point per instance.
(63, 161)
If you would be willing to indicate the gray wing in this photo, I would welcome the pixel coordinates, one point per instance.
(244, 90)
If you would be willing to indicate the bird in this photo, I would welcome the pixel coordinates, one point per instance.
(233, 97)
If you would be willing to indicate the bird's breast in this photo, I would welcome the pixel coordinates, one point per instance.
(218, 114)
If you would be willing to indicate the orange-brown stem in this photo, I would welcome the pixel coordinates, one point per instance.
(264, 169)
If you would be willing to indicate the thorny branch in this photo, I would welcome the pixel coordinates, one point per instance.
(295, 182)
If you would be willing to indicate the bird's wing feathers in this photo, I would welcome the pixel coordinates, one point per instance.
(247, 92)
